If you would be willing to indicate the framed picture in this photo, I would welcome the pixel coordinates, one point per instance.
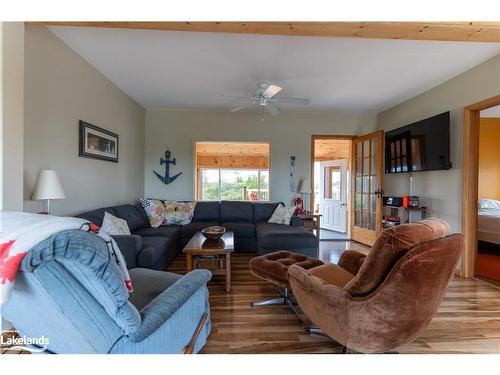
(97, 143)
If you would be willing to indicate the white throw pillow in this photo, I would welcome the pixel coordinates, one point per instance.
(113, 225)
(282, 215)
(489, 203)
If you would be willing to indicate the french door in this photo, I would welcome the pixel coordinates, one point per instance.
(366, 192)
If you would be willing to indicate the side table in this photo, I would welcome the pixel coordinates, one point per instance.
(311, 222)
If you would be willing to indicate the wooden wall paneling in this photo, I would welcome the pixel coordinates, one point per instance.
(331, 149)
(232, 161)
(444, 31)
(232, 148)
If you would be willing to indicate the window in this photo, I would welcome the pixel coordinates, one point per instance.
(234, 184)
(232, 170)
(332, 182)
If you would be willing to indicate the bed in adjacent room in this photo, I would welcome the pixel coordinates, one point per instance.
(488, 235)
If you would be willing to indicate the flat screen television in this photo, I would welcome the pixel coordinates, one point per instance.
(421, 146)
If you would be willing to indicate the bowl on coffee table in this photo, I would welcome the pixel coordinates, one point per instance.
(213, 233)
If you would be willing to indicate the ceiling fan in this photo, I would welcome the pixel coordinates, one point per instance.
(264, 96)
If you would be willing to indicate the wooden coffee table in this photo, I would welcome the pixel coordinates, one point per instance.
(213, 255)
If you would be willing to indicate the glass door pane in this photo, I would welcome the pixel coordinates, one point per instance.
(358, 184)
(332, 186)
(366, 186)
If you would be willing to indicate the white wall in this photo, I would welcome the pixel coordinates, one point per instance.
(12, 108)
(62, 88)
(441, 190)
(288, 134)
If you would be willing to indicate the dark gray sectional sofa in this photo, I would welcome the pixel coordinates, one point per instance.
(155, 247)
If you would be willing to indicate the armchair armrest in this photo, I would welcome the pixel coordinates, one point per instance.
(295, 221)
(159, 310)
(129, 246)
(351, 261)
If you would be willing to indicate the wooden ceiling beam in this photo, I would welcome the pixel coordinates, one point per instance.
(439, 31)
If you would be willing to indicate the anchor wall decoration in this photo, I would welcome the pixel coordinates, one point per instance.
(167, 179)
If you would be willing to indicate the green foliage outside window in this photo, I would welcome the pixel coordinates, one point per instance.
(234, 185)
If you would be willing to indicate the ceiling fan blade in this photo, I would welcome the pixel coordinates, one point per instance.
(234, 96)
(272, 109)
(270, 91)
(297, 101)
(241, 107)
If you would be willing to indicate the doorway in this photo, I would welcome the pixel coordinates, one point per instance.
(488, 221)
(470, 183)
(331, 160)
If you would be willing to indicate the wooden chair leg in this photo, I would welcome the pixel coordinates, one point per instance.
(189, 348)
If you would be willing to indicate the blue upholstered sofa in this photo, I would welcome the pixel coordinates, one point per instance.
(69, 290)
(156, 247)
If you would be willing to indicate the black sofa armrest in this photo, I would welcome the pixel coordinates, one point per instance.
(295, 221)
(129, 245)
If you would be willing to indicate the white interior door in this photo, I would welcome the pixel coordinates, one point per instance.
(333, 195)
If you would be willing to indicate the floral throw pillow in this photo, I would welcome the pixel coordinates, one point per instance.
(180, 213)
(282, 215)
(155, 209)
(113, 225)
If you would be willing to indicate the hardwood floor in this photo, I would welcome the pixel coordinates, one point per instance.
(468, 320)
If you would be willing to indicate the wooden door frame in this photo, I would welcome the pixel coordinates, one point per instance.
(470, 176)
(349, 138)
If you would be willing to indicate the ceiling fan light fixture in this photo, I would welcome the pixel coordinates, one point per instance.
(264, 97)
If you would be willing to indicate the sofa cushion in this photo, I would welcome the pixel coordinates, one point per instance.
(142, 212)
(332, 274)
(170, 231)
(131, 215)
(236, 211)
(240, 229)
(262, 212)
(129, 247)
(189, 230)
(206, 211)
(148, 285)
(96, 216)
(153, 248)
(279, 236)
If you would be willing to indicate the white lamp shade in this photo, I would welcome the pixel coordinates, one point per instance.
(304, 186)
(48, 186)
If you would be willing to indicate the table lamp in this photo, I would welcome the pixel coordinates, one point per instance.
(304, 189)
(48, 187)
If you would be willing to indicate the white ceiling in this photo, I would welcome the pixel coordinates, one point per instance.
(187, 70)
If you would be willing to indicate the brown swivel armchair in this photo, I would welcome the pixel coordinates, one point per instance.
(375, 303)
